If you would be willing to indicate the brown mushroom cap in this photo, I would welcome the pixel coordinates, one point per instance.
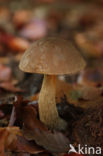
(52, 56)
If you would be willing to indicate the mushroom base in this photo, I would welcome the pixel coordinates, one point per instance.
(47, 104)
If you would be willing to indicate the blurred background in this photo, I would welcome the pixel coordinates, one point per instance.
(24, 21)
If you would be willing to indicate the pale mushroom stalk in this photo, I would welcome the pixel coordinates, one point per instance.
(47, 104)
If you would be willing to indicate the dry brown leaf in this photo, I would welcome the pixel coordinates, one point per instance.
(22, 145)
(10, 87)
(7, 137)
(18, 44)
(88, 92)
(11, 139)
(89, 103)
(35, 130)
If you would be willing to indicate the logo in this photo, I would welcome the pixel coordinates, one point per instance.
(85, 150)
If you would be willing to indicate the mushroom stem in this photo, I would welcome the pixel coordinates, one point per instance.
(47, 104)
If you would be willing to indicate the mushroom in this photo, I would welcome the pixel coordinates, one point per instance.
(51, 56)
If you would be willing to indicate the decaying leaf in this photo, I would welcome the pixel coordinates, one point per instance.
(9, 87)
(35, 130)
(79, 104)
(23, 146)
(75, 92)
(11, 139)
(18, 44)
(7, 137)
(88, 103)
(87, 92)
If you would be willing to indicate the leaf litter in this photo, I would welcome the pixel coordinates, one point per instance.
(79, 100)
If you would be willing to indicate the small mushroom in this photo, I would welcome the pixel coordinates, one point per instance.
(51, 56)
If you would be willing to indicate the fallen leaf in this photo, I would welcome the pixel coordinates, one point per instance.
(87, 92)
(35, 130)
(10, 87)
(88, 103)
(22, 145)
(7, 136)
(18, 44)
(11, 139)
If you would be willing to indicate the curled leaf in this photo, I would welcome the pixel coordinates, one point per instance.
(35, 130)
